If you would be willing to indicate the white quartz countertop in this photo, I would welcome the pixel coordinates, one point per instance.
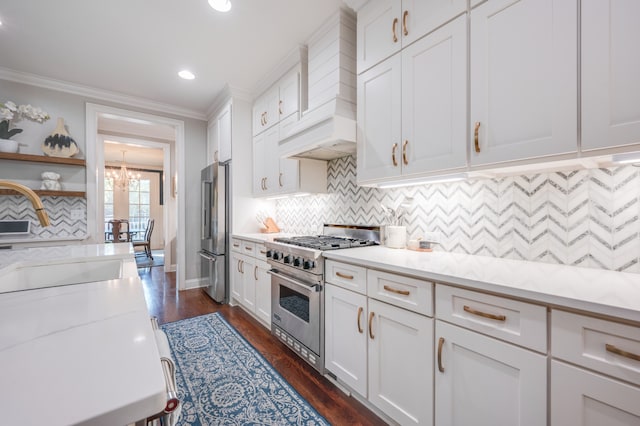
(261, 238)
(59, 254)
(78, 354)
(595, 290)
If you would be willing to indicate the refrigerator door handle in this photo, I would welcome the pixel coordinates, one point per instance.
(206, 256)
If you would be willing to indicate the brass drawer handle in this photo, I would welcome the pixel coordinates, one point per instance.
(395, 290)
(618, 351)
(238, 266)
(393, 30)
(405, 31)
(371, 315)
(484, 314)
(360, 309)
(236, 245)
(475, 136)
(404, 153)
(345, 276)
(393, 154)
(263, 252)
(440, 345)
(248, 248)
(241, 264)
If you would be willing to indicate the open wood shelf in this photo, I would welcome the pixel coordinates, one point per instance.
(42, 159)
(45, 193)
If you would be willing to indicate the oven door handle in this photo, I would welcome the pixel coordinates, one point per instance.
(308, 288)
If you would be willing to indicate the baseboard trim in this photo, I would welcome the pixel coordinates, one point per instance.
(195, 283)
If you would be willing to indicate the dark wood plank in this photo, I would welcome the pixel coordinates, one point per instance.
(170, 305)
(42, 159)
(48, 193)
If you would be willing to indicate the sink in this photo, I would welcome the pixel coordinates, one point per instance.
(35, 276)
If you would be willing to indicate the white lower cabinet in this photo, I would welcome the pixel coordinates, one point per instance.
(583, 398)
(603, 385)
(483, 381)
(382, 352)
(250, 281)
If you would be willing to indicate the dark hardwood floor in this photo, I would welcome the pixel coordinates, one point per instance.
(168, 304)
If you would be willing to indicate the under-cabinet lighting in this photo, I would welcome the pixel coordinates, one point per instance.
(278, 197)
(628, 158)
(434, 179)
(220, 5)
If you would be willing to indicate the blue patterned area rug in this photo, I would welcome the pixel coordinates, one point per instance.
(223, 380)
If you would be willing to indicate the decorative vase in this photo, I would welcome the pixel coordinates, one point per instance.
(8, 145)
(59, 143)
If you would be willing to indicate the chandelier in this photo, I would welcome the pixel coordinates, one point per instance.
(122, 177)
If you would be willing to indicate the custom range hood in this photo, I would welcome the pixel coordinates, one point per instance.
(327, 129)
(324, 133)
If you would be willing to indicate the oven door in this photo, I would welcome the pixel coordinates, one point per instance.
(296, 308)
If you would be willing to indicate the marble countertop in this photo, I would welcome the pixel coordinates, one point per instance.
(595, 290)
(81, 353)
(261, 238)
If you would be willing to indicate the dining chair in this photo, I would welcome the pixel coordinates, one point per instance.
(118, 231)
(146, 242)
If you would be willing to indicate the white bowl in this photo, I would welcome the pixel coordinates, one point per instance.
(8, 145)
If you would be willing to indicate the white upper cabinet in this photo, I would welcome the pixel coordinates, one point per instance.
(610, 70)
(213, 142)
(224, 133)
(412, 108)
(386, 26)
(523, 87)
(279, 102)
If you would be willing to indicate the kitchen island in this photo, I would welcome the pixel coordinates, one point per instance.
(79, 353)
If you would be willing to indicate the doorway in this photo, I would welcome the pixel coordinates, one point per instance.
(113, 125)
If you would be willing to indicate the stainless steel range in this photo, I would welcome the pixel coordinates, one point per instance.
(297, 281)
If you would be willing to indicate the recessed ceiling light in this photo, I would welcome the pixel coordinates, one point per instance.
(220, 5)
(186, 74)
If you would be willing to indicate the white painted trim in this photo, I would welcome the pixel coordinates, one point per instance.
(293, 59)
(195, 283)
(95, 185)
(100, 94)
(227, 94)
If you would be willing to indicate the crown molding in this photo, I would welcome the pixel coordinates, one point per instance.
(98, 94)
(295, 56)
(227, 93)
(356, 5)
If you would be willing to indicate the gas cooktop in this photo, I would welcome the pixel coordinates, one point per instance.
(325, 242)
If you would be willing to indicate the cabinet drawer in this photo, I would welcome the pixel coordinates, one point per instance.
(236, 245)
(260, 251)
(517, 322)
(409, 293)
(347, 276)
(248, 248)
(605, 346)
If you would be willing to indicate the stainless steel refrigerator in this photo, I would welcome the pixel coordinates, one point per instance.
(215, 230)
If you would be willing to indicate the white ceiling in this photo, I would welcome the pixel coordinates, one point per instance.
(136, 47)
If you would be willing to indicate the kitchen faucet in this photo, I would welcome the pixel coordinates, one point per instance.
(32, 196)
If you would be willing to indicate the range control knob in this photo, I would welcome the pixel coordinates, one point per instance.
(287, 259)
(297, 261)
(277, 255)
(308, 264)
(269, 253)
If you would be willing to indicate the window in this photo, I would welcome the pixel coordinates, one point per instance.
(108, 201)
(139, 203)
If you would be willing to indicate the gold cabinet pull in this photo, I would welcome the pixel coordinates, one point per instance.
(393, 30)
(241, 264)
(255, 273)
(238, 266)
(280, 180)
(404, 153)
(395, 290)
(263, 252)
(265, 184)
(393, 154)
(404, 23)
(360, 309)
(248, 248)
(345, 276)
(236, 244)
(371, 315)
(262, 119)
(615, 350)
(440, 345)
(280, 107)
(475, 137)
(484, 314)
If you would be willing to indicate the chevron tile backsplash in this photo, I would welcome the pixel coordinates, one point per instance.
(585, 217)
(17, 207)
